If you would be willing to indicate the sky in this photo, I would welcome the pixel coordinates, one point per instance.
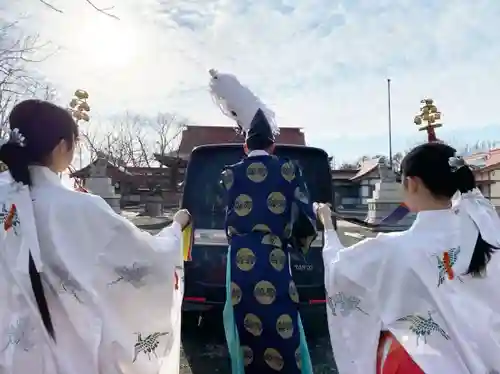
(321, 65)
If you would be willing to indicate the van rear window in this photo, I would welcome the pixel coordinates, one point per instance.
(203, 195)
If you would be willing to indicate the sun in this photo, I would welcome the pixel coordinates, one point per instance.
(104, 43)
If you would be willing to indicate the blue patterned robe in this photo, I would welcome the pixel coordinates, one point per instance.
(265, 195)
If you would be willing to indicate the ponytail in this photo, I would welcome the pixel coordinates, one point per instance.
(466, 182)
(480, 257)
(464, 178)
(14, 154)
(36, 128)
(15, 157)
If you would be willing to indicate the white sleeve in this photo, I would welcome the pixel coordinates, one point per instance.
(332, 245)
(351, 279)
(129, 275)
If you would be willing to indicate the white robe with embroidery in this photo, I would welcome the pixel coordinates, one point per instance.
(447, 321)
(114, 292)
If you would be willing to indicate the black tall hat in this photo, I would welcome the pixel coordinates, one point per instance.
(260, 129)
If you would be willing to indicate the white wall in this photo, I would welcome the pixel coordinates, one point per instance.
(490, 190)
(366, 188)
(495, 187)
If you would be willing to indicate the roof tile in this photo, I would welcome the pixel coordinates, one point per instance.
(194, 136)
(484, 159)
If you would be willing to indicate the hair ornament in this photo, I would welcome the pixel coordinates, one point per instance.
(456, 163)
(13, 136)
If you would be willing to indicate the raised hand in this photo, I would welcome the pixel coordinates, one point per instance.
(182, 217)
(324, 214)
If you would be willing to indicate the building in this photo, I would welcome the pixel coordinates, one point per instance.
(347, 192)
(135, 183)
(353, 187)
(365, 179)
(486, 167)
(194, 136)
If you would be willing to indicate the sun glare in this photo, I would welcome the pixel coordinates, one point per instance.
(106, 43)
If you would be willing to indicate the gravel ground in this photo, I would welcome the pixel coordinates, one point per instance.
(204, 348)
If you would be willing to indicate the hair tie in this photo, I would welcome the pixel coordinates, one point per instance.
(456, 163)
(13, 136)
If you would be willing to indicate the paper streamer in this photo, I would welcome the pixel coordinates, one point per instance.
(187, 242)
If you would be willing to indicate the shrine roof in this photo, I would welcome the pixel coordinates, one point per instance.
(365, 168)
(343, 174)
(194, 136)
(484, 160)
(85, 171)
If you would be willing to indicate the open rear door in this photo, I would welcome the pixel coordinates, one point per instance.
(203, 196)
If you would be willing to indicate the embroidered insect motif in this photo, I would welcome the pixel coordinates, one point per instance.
(148, 345)
(445, 265)
(67, 283)
(423, 327)
(134, 274)
(19, 334)
(345, 304)
(10, 218)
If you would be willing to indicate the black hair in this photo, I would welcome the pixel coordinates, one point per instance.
(43, 125)
(431, 163)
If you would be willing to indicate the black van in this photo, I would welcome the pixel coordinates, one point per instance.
(203, 197)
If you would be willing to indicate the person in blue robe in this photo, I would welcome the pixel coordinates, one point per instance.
(266, 197)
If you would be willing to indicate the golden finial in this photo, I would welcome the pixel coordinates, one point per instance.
(79, 107)
(429, 118)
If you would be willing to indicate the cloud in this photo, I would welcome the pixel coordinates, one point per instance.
(320, 64)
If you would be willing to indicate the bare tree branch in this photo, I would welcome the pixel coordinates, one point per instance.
(16, 81)
(124, 145)
(167, 128)
(144, 151)
(51, 6)
(133, 139)
(90, 143)
(105, 11)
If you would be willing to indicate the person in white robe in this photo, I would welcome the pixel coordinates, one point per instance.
(424, 300)
(83, 290)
